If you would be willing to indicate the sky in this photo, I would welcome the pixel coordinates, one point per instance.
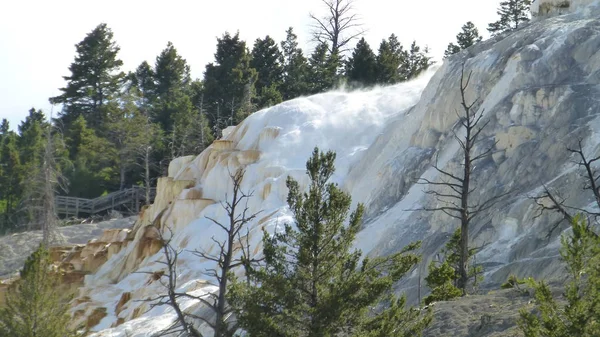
(38, 37)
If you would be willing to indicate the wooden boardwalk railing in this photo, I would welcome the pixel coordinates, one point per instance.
(127, 201)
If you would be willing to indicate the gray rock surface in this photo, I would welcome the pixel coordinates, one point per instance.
(15, 248)
(539, 88)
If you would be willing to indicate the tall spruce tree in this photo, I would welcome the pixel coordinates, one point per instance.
(4, 127)
(468, 37)
(322, 70)
(267, 60)
(513, 13)
(94, 79)
(171, 80)
(361, 68)
(34, 306)
(416, 61)
(143, 81)
(390, 57)
(295, 68)
(10, 179)
(229, 82)
(93, 171)
(126, 131)
(313, 283)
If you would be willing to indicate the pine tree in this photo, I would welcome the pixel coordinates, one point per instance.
(143, 81)
(295, 67)
(267, 60)
(94, 79)
(362, 66)
(313, 283)
(191, 133)
(390, 57)
(35, 307)
(465, 39)
(4, 127)
(172, 79)
(513, 13)
(229, 82)
(443, 276)
(415, 62)
(10, 179)
(322, 71)
(93, 157)
(579, 315)
(127, 133)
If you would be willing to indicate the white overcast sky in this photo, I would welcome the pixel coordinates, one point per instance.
(37, 37)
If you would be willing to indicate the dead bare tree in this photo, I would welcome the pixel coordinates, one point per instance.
(46, 182)
(232, 252)
(553, 202)
(339, 27)
(183, 325)
(455, 190)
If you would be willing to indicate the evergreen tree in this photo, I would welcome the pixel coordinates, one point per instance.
(390, 57)
(295, 68)
(94, 78)
(172, 78)
(465, 39)
(513, 13)
(443, 277)
(579, 315)
(322, 72)
(127, 133)
(143, 81)
(362, 66)
(93, 157)
(229, 82)
(312, 283)
(191, 133)
(34, 306)
(4, 127)
(10, 179)
(267, 60)
(415, 62)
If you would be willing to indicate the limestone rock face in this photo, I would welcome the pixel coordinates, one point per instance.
(538, 89)
(546, 8)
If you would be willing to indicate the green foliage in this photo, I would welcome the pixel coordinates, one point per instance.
(34, 307)
(513, 282)
(267, 60)
(322, 70)
(10, 179)
(443, 275)
(191, 133)
(94, 78)
(361, 68)
(441, 279)
(389, 58)
(295, 68)
(468, 37)
(415, 62)
(579, 316)
(229, 81)
(312, 283)
(513, 13)
(93, 158)
(171, 80)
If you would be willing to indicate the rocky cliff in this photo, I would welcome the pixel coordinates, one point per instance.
(538, 87)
